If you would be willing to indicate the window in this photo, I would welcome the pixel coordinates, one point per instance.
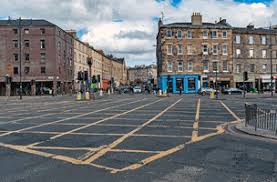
(250, 39)
(238, 68)
(224, 34)
(205, 35)
(42, 31)
(179, 34)
(180, 66)
(169, 49)
(169, 33)
(214, 34)
(215, 49)
(225, 66)
(237, 53)
(15, 70)
(215, 67)
(169, 67)
(26, 31)
(15, 56)
(264, 40)
(263, 53)
(237, 39)
(15, 31)
(189, 34)
(42, 44)
(251, 53)
(264, 67)
(190, 65)
(205, 49)
(42, 70)
(206, 66)
(225, 49)
(180, 49)
(27, 57)
(26, 43)
(15, 43)
(252, 68)
(26, 70)
(42, 57)
(189, 49)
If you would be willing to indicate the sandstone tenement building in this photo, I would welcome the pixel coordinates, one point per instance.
(198, 54)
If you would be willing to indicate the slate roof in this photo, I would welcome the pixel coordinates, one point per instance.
(26, 22)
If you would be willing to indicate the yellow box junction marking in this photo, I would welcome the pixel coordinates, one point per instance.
(121, 139)
(65, 119)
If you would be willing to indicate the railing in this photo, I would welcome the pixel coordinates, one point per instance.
(261, 118)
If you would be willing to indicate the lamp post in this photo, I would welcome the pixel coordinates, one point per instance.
(19, 27)
(270, 56)
(216, 94)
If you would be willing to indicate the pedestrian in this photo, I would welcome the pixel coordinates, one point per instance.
(180, 89)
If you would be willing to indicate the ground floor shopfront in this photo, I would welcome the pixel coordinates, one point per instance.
(261, 82)
(177, 83)
(33, 87)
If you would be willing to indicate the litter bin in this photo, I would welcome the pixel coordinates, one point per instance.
(212, 95)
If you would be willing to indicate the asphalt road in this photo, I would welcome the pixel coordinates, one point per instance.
(131, 138)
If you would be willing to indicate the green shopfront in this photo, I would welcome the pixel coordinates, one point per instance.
(175, 83)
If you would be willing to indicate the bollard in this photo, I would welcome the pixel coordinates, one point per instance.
(101, 93)
(109, 92)
(87, 96)
(160, 93)
(78, 96)
(211, 95)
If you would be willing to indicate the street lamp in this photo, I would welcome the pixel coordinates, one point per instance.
(19, 27)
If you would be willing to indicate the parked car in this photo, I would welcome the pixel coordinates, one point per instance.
(137, 89)
(232, 91)
(204, 91)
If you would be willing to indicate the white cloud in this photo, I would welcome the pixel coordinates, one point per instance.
(98, 17)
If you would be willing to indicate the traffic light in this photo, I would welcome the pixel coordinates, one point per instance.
(112, 80)
(86, 75)
(98, 78)
(93, 79)
(80, 75)
(245, 76)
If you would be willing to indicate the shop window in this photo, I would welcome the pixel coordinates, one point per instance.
(191, 84)
(179, 83)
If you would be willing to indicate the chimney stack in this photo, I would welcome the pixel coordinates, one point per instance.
(196, 19)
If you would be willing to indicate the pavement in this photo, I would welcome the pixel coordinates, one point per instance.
(131, 138)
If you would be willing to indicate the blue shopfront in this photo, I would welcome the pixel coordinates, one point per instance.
(175, 83)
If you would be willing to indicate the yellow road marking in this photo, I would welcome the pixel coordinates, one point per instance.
(121, 139)
(150, 159)
(230, 111)
(39, 116)
(91, 149)
(69, 118)
(194, 134)
(53, 156)
(102, 120)
(98, 134)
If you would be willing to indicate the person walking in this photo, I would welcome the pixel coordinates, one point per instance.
(180, 89)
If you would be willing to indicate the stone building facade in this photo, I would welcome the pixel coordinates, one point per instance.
(142, 73)
(253, 50)
(47, 57)
(194, 54)
(51, 59)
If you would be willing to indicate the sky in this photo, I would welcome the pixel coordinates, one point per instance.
(128, 28)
